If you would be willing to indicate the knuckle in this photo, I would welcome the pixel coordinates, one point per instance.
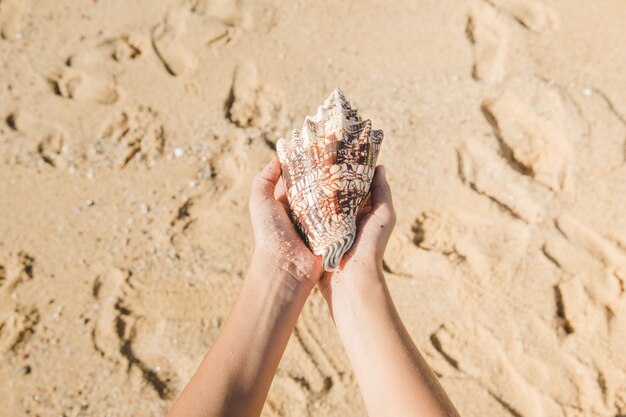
(257, 179)
(260, 182)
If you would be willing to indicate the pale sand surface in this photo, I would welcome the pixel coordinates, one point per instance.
(130, 131)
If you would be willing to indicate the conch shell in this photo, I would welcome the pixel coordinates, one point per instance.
(328, 169)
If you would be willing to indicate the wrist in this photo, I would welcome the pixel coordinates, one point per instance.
(358, 277)
(296, 274)
(355, 290)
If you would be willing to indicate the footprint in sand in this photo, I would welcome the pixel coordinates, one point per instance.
(405, 258)
(513, 368)
(592, 292)
(76, 84)
(580, 235)
(171, 50)
(603, 285)
(474, 351)
(439, 231)
(11, 19)
(468, 239)
(604, 145)
(133, 134)
(185, 30)
(489, 175)
(157, 331)
(532, 14)
(17, 270)
(251, 103)
(17, 321)
(118, 49)
(567, 257)
(115, 330)
(540, 147)
(50, 149)
(586, 292)
(489, 36)
(575, 309)
(48, 140)
(446, 233)
(17, 325)
(230, 12)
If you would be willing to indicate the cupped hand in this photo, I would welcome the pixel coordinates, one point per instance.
(364, 261)
(277, 242)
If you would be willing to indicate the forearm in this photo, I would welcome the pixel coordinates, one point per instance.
(235, 376)
(393, 376)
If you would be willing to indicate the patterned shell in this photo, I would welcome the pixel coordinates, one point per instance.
(328, 169)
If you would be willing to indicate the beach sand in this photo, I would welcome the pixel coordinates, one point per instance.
(129, 134)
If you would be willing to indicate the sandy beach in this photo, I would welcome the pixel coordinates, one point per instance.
(130, 132)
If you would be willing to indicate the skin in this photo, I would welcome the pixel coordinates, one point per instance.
(235, 376)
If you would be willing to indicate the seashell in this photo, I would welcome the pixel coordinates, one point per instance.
(328, 169)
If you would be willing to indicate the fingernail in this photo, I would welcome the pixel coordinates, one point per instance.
(383, 170)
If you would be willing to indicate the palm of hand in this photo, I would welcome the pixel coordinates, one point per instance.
(375, 223)
(276, 236)
(274, 232)
(277, 233)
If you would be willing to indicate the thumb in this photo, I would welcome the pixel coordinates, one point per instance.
(382, 214)
(264, 182)
(382, 201)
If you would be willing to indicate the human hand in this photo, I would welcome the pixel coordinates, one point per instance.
(231, 380)
(363, 263)
(378, 345)
(277, 242)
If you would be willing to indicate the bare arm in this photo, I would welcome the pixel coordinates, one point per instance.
(394, 378)
(235, 376)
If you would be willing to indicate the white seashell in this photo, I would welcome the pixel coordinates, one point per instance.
(328, 169)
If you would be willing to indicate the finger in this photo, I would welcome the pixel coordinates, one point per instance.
(366, 208)
(382, 204)
(264, 182)
(380, 189)
(283, 200)
(279, 191)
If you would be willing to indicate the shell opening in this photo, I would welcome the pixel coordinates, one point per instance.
(333, 253)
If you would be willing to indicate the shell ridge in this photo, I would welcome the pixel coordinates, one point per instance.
(333, 253)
